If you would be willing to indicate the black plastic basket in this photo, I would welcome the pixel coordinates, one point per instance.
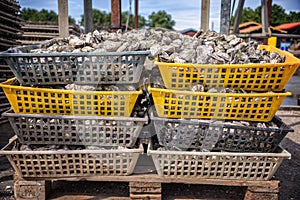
(75, 130)
(181, 134)
(91, 68)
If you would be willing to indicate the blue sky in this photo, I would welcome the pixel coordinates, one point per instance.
(186, 13)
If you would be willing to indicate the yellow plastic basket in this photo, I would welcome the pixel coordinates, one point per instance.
(227, 106)
(69, 102)
(256, 77)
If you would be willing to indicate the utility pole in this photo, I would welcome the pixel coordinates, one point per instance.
(63, 18)
(225, 16)
(205, 14)
(88, 17)
(136, 14)
(115, 15)
(269, 11)
(238, 16)
(264, 17)
(269, 19)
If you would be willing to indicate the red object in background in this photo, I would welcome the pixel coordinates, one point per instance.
(189, 31)
(288, 26)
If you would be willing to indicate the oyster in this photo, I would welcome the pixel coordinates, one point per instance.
(206, 47)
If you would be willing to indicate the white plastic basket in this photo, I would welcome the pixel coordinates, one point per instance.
(217, 165)
(70, 163)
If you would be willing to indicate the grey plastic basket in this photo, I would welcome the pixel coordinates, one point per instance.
(217, 165)
(75, 130)
(70, 163)
(91, 68)
(210, 136)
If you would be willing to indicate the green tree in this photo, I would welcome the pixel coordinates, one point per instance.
(161, 19)
(249, 15)
(33, 15)
(141, 23)
(293, 17)
(101, 19)
(278, 15)
(29, 14)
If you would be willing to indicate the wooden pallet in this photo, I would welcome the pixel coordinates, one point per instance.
(36, 32)
(10, 26)
(11, 6)
(145, 184)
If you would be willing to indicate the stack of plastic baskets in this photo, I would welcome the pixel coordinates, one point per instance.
(6, 73)
(194, 128)
(77, 133)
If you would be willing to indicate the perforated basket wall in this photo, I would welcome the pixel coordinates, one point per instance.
(70, 163)
(215, 135)
(4, 103)
(82, 68)
(69, 102)
(75, 130)
(228, 106)
(217, 165)
(255, 77)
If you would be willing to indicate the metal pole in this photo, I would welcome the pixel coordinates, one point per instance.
(88, 17)
(136, 14)
(238, 16)
(269, 11)
(115, 14)
(205, 14)
(225, 16)
(63, 18)
(264, 16)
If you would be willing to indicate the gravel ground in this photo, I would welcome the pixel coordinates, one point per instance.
(288, 173)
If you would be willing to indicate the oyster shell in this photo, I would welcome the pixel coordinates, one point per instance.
(206, 47)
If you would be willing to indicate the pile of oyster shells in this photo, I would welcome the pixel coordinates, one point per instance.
(74, 86)
(139, 109)
(53, 147)
(171, 46)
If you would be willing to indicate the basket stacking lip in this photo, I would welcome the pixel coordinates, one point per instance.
(255, 77)
(70, 163)
(227, 106)
(75, 130)
(216, 135)
(89, 68)
(31, 100)
(217, 165)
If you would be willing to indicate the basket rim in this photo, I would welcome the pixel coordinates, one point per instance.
(124, 53)
(7, 150)
(7, 84)
(247, 65)
(256, 94)
(283, 128)
(283, 154)
(11, 113)
(23, 48)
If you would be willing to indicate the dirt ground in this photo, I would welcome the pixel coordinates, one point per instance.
(288, 174)
(289, 171)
